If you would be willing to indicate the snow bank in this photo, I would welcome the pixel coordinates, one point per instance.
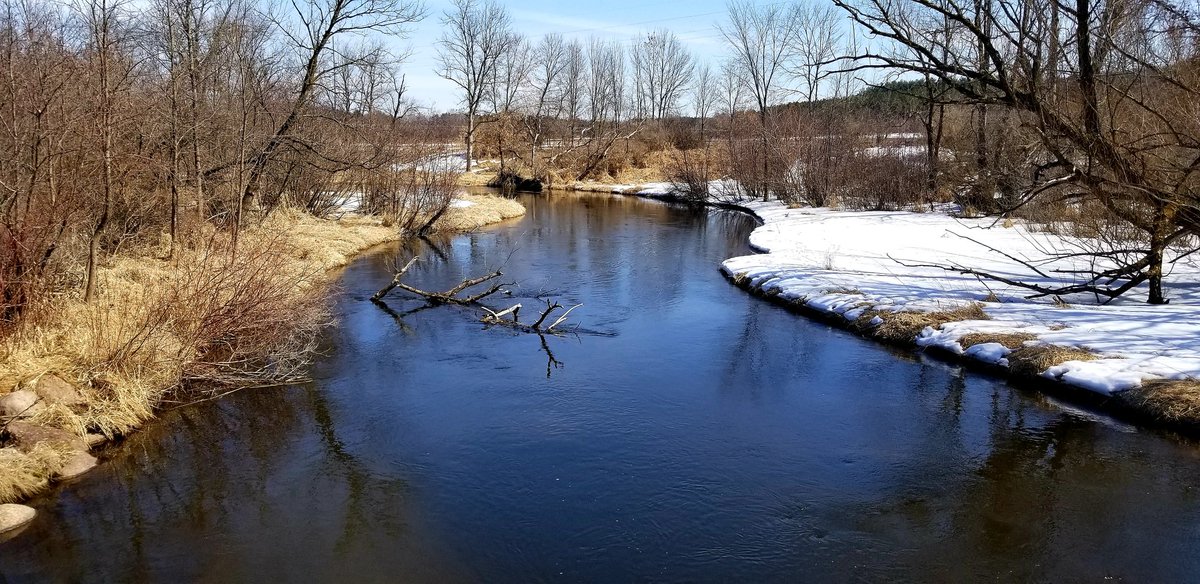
(845, 263)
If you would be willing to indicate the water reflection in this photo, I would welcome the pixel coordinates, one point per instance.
(703, 436)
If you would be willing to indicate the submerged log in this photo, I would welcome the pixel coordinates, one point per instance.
(395, 281)
(449, 296)
(493, 317)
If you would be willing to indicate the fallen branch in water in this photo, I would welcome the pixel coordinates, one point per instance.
(493, 317)
(449, 296)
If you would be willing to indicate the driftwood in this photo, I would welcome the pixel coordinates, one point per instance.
(449, 296)
(509, 317)
(494, 317)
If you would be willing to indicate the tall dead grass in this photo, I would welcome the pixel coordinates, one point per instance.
(1032, 360)
(185, 328)
(210, 316)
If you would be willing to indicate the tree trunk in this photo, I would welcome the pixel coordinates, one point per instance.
(470, 139)
(1164, 219)
(762, 118)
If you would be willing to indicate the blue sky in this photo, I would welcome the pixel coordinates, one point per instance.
(693, 21)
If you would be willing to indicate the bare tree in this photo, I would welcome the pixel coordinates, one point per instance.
(817, 45)
(607, 102)
(662, 68)
(704, 96)
(1118, 141)
(732, 98)
(322, 24)
(103, 20)
(44, 116)
(762, 38)
(547, 95)
(574, 83)
(477, 35)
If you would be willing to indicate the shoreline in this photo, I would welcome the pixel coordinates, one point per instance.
(1151, 401)
(48, 444)
(1126, 405)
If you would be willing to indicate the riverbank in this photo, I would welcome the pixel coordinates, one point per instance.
(75, 375)
(879, 274)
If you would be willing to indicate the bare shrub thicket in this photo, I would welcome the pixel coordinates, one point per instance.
(887, 181)
(127, 122)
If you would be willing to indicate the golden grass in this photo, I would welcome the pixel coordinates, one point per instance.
(903, 327)
(134, 342)
(487, 209)
(1176, 402)
(23, 474)
(1012, 341)
(479, 176)
(1032, 360)
(326, 244)
(157, 322)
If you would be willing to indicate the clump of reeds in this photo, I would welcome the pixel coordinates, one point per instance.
(903, 327)
(1174, 401)
(1032, 360)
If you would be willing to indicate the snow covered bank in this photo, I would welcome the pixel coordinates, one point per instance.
(867, 269)
(847, 263)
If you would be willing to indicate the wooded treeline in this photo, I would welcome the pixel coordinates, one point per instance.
(124, 123)
(1080, 115)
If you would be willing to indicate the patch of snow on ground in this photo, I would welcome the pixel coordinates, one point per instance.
(842, 263)
(461, 204)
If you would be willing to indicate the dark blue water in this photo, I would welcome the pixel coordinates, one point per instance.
(688, 432)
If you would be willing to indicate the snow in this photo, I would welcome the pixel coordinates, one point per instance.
(719, 190)
(899, 151)
(842, 263)
(461, 204)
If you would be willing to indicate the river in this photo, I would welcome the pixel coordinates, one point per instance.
(686, 432)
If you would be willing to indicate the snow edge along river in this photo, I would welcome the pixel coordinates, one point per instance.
(842, 265)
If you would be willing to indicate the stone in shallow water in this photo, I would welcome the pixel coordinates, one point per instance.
(14, 517)
(19, 403)
(26, 435)
(79, 463)
(54, 390)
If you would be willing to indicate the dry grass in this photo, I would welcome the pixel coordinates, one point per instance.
(486, 210)
(653, 166)
(209, 316)
(329, 244)
(23, 474)
(481, 174)
(1177, 402)
(1032, 360)
(903, 327)
(1012, 341)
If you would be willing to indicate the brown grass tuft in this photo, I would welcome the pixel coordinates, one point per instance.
(23, 474)
(1032, 360)
(1012, 341)
(1172, 401)
(903, 327)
